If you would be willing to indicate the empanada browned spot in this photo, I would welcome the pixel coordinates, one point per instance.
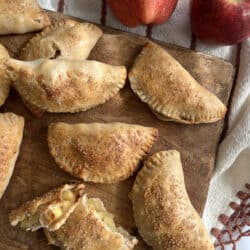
(50, 210)
(98, 152)
(11, 134)
(170, 91)
(64, 85)
(163, 212)
(4, 81)
(21, 16)
(91, 227)
(67, 39)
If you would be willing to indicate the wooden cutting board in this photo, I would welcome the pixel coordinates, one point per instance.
(36, 172)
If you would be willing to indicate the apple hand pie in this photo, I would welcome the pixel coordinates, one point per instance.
(163, 212)
(67, 39)
(91, 227)
(170, 91)
(4, 81)
(97, 152)
(64, 85)
(50, 210)
(21, 16)
(11, 134)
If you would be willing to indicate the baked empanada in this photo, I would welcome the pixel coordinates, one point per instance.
(64, 85)
(4, 81)
(50, 210)
(91, 227)
(21, 16)
(67, 39)
(11, 134)
(170, 91)
(163, 212)
(98, 152)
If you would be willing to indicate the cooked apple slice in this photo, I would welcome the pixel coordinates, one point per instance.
(50, 210)
(91, 226)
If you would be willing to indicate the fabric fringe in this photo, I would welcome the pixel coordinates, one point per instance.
(233, 226)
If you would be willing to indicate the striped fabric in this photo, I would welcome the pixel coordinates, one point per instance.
(230, 221)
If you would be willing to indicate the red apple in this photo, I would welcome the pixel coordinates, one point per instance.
(221, 21)
(135, 12)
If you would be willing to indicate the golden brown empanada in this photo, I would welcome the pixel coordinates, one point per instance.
(11, 134)
(21, 16)
(170, 91)
(64, 85)
(4, 81)
(68, 39)
(50, 210)
(163, 212)
(91, 227)
(98, 152)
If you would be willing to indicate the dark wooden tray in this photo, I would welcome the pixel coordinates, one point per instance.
(36, 172)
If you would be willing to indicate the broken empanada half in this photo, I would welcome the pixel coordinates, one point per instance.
(4, 81)
(21, 16)
(64, 85)
(11, 134)
(170, 91)
(91, 227)
(98, 152)
(163, 212)
(50, 210)
(66, 39)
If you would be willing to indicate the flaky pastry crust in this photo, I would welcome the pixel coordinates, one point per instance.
(50, 210)
(65, 39)
(21, 16)
(64, 85)
(163, 212)
(91, 227)
(11, 134)
(98, 152)
(4, 80)
(170, 91)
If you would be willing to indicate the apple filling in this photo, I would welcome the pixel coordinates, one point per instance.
(30, 221)
(49, 214)
(100, 212)
(107, 219)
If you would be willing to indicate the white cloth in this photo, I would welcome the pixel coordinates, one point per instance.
(233, 160)
(232, 170)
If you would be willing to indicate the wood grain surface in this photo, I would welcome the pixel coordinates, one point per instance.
(36, 172)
